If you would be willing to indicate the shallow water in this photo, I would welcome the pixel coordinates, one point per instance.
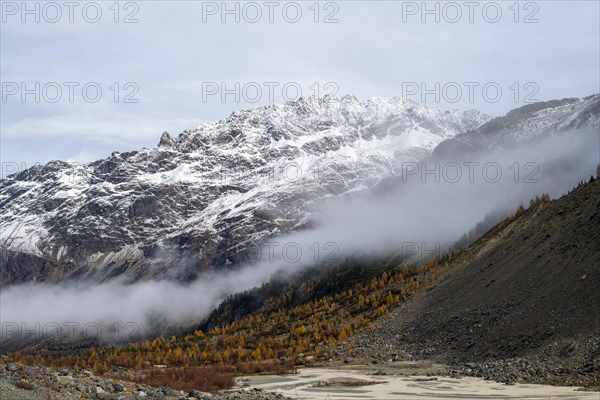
(323, 384)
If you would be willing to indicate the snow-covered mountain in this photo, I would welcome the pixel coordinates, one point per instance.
(197, 201)
(525, 123)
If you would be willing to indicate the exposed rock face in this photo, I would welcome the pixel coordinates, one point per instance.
(198, 200)
(166, 140)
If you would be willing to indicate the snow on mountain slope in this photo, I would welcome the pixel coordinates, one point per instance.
(196, 201)
(526, 123)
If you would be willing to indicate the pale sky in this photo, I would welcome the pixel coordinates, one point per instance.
(179, 55)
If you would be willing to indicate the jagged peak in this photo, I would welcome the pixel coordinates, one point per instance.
(166, 140)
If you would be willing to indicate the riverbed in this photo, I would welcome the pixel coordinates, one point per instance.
(347, 384)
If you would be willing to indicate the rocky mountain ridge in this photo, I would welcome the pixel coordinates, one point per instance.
(524, 124)
(197, 200)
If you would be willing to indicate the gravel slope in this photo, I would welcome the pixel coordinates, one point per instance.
(523, 304)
